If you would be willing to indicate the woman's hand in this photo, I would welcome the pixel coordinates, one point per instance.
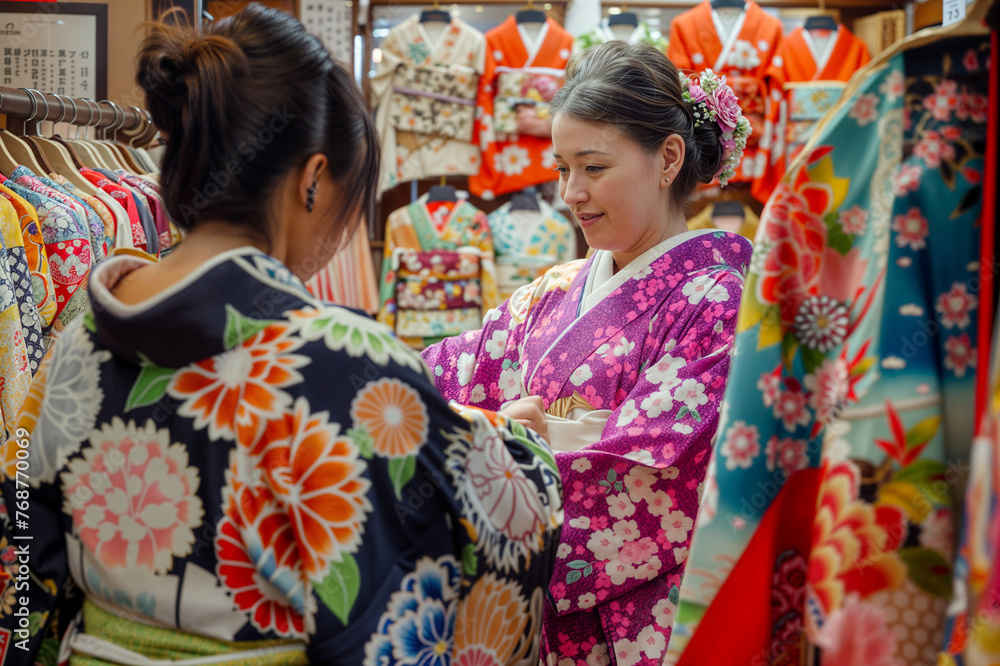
(528, 122)
(529, 412)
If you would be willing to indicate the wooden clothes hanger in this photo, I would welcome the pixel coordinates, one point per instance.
(120, 151)
(971, 26)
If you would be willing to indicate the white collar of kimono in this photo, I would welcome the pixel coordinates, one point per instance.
(727, 36)
(602, 281)
(432, 44)
(821, 48)
(608, 35)
(106, 275)
(533, 47)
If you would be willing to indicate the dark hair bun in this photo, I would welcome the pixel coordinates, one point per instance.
(242, 104)
(179, 67)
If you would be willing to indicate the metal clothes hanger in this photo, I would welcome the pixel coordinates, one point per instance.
(21, 149)
(60, 156)
(68, 147)
(7, 161)
(124, 155)
(87, 148)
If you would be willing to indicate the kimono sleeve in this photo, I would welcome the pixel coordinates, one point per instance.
(632, 498)
(678, 51)
(381, 90)
(772, 143)
(468, 368)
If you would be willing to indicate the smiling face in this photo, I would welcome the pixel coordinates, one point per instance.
(618, 192)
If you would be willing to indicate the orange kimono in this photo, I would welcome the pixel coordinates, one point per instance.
(518, 71)
(700, 39)
(810, 70)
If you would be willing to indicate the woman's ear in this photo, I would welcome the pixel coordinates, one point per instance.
(309, 180)
(671, 159)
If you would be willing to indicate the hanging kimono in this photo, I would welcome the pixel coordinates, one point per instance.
(528, 243)
(809, 71)
(15, 361)
(638, 360)
(42, 287)
(225, 497)
(605, 33)
(425, 91)
(95, 223)
(740, 47)
(124, 199)
(829, 500)
(67, 246)
(441, 298)
(105, 214)
(20, 279)
(519, 70)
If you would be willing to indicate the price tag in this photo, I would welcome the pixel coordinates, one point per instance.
(952, 11)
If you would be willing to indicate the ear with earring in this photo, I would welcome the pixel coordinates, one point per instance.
(311, 197)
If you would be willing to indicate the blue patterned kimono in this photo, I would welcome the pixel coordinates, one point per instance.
(274, 478)
(830, 498)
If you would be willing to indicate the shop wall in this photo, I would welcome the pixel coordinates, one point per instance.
(124, 35)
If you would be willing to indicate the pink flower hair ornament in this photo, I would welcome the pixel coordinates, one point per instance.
(712, 100)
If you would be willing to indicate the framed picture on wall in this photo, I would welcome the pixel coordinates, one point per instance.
(55, 47)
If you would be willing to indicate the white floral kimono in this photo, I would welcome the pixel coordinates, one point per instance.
(427, 85)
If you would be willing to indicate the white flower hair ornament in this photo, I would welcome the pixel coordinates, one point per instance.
(712, 100)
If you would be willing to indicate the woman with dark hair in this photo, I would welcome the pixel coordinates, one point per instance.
(626, 352)
(218, 468)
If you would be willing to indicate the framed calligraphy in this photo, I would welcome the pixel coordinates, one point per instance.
(55, 47)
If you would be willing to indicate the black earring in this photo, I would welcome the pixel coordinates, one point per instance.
(311, 197)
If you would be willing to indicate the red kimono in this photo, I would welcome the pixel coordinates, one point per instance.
(810, 70)
(518, 71)
(699, 40)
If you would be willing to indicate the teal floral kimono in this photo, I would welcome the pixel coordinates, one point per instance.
(829, 511)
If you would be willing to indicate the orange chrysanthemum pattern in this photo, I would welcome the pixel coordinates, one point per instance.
(393, 415)
(241, 388)
(318, 479)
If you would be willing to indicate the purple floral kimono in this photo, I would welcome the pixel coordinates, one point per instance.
(655, 352)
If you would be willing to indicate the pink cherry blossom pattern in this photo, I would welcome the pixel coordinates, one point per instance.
(955, 305)
(741, 445)
(865, 109)
(911, 229)
(944, 100)
(787, 453)
(933, 149)
(960, 355)
(854, 220)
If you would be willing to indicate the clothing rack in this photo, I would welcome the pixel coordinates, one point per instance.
(26, 107)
